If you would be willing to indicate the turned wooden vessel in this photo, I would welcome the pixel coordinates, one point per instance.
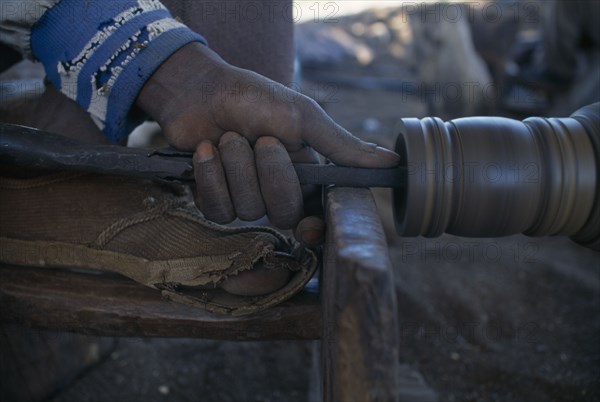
(493, 176)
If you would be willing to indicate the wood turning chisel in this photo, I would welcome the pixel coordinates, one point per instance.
(36, 149)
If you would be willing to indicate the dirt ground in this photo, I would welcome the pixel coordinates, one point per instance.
(512, 319)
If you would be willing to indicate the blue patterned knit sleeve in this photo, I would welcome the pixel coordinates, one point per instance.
(100, 54)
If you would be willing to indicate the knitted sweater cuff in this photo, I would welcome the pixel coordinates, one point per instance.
(100, 54)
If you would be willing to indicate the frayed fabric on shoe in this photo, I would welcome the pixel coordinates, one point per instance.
(165, 244)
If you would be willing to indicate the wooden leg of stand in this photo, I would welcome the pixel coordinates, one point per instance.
(359, 345)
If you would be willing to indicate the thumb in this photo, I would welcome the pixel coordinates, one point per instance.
(316, 129)
(297, 121)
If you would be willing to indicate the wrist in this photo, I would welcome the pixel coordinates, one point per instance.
(189, 70)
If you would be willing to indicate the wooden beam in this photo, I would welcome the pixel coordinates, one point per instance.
(360, 333)
(112, 305)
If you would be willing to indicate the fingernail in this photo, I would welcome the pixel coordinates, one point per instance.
(228, 137)
(390, 154)
(312, 238)
(267, 141)
(311, 231)
(205, 152)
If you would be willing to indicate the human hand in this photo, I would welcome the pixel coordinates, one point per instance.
(246, 131)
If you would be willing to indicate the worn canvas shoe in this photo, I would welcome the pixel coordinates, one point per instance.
(152, 234)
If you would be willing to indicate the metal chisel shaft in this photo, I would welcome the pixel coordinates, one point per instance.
(28, 147)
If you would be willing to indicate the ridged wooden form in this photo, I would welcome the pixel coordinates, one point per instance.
(493, 176)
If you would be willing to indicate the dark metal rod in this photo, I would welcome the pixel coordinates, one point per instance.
(28, 147)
